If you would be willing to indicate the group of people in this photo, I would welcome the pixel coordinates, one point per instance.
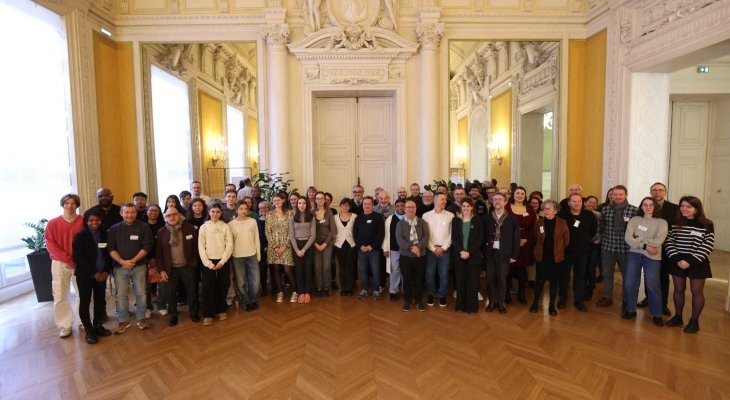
(189, 251)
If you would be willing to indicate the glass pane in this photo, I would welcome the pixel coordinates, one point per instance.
(171, 119)
(35, 158)
(15, 265)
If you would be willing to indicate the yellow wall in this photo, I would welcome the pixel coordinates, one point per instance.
(462, 144)
(586, 94)
(253, 143)
(115, 104)
(501, 127)
(211, 137)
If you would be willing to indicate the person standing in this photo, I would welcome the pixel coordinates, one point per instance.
(345, 248)
(645, 234)
(197, 192)
(526, 218)
(583, 226)
(177, 259)
(140, 201)
(60, 232)
(105, 204)
(391, 249)
(279, 251)
(552, 239)
(230, 209)
(129, 242)
(415, 195)
(615, 217)
(155, 221)
(326, 230)
(439, 249)
(93, 266)
(467, 236)
(246, 256)
(426, 204)
(302, 232)
(668, 212)
(594, 256)
(502, 248)
(689, 244)
(412, 235)
(368, 232)
(215, 246)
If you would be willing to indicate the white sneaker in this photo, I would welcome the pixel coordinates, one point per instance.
(293, 297)
(480, 296)
(147, 314)
(163, 312)
(64, 332)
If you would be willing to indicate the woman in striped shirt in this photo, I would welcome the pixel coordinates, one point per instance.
(689, 244)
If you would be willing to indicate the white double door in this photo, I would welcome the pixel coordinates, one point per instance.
(353, 143)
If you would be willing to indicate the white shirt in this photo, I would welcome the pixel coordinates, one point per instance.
(439, 227)
(245, 238)
(344, 233)
(214, 242)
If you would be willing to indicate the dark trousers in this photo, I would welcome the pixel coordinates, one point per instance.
(497, 271)
(264, 273)
(88, 287)
(594, 258)
(581, 270)
(182, 277)
(467, 286)
(563, 281)
(413, 270)
(215, 289)
(347, 258)
(304, 269)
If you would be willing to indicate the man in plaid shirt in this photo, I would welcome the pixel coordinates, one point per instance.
(615, 217)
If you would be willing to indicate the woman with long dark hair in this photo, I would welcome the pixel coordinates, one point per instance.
(279, 254)
(345, 247)
(173, 201)
(689, 244)
(215, 246)
(323, 244)
(467, 237)
(302, 232)
(526, 217)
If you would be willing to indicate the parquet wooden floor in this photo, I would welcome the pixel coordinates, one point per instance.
(343, 348)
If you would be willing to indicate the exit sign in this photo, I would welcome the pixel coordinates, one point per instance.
(703, 69)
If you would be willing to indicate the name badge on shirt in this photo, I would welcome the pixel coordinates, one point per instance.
(189, 237)
(133, 237)
(642, 228)
(626, 219)
(102, 245)
(369, 221)
(695, 233)
(321, 222)
(196, 227)
(495, 245)
(576, 223)
(526, 214)
(542, 229)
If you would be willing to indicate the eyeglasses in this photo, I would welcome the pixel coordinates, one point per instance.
(658, 190)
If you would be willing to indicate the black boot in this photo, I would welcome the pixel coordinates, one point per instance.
(91, 335)
(99, 330)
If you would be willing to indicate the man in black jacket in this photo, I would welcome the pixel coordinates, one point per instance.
(368, 233)
(501, 249)
(582, 225)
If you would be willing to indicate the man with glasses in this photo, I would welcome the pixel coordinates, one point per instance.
(668, 211)
(357, 196)
(177, 260)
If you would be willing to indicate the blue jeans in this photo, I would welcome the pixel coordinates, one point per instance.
(652, 268)
(610, 259)
(122, 277)
(247, 278)
(442, 263)
(371, 261)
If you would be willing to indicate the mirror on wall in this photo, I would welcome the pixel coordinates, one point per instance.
(503, 95)
(201, 115)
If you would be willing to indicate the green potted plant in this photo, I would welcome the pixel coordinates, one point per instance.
(39, 261)
(272, 183)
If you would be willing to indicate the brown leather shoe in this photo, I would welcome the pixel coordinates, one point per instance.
(604, 302)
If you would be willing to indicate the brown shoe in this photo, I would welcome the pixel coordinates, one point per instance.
(143, 324)
(207, 321)
(222, 316)
(121, 327)
(604, 302)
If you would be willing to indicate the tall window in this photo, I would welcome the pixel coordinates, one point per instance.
(171, 120)
(36, 158)
(236, 144)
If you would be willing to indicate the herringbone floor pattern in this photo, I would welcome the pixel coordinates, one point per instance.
(343, 348)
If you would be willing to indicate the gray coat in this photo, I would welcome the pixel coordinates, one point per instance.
(403, 237)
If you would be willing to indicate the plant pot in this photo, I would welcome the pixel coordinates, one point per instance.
(40, 271)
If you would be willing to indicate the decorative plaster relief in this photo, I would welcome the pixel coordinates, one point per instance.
(660, 13)
(430, 34)
(346, 75)
(276, 35)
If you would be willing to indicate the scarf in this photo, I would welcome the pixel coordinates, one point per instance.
(413, 234)
(499, 221)
(174, 230)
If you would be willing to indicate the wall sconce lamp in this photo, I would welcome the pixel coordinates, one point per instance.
(253, 155)
(219, 152)
(495, 146)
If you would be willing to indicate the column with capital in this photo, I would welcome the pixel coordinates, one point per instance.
(429, 35)
(276, 36)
